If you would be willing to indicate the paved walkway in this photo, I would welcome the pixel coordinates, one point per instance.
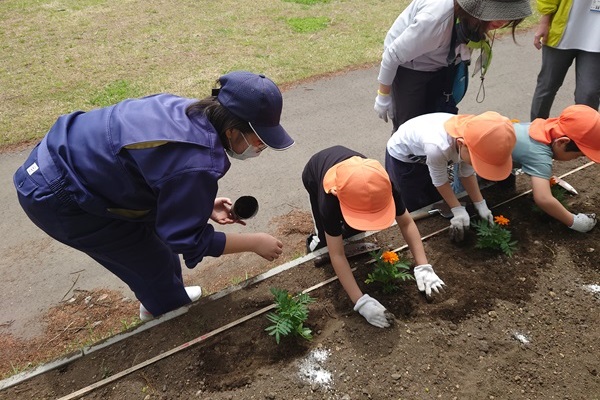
(37, 272)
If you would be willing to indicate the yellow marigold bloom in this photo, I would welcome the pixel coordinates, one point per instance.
(501, 220)
(390, 257)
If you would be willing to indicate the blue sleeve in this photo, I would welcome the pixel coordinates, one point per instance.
(185, 203)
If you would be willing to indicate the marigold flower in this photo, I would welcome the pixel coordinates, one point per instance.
(390, 257)
(553, 181)
(501, 220)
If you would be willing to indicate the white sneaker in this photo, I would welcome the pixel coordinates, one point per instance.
(145, 315)
(193, 292)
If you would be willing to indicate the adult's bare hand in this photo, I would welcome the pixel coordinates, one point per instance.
(541, 33)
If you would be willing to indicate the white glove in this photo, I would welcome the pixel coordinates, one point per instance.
(583, 222)
(374, 312)
(383, 106)
(427, 279)
(459, 223)
(484, 212)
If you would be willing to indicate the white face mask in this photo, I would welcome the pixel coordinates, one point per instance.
(250, 152)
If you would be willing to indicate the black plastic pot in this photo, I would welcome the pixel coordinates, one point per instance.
(245, 207)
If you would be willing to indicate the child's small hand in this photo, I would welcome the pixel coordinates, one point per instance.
(484, 212)
(584, 222)
(374, 312)
(427, 280)
(459, 223)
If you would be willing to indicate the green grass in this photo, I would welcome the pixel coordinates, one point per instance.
(114, 92)
(308, 24)
(65, 55)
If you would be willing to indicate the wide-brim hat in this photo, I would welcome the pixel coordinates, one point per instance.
(364, 191)
(496, 10)
(256, 99)
(490, 138)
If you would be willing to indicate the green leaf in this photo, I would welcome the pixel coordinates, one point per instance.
(290, 314)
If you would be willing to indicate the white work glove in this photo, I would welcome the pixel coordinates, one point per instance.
(427, 280)
(484, 212)
(374, 312)
(459, 223)
(583, 222)
(383, 106)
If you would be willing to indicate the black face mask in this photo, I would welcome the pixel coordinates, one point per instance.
(464, 34)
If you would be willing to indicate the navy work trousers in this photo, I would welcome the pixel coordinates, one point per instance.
(130, 250)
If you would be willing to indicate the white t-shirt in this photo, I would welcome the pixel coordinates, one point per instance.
(423, 139)
(583, 28)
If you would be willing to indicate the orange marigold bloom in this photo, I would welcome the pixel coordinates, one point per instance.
(501, 220)
(390, 257)
(553, 181)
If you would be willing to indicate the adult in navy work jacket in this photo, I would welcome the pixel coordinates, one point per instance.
(135, 184)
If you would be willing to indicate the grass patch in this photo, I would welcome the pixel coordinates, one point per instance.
(67, 55)
(306, 2)
(115, 92)
(308, 24)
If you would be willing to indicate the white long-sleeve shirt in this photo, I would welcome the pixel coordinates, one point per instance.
(419, 39)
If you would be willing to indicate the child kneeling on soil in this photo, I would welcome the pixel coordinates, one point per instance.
(350, 193)
(419, 152)
(575, 133)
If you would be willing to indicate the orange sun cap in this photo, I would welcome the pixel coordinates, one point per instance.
(490, 138)
(579, 122)
(364, 192)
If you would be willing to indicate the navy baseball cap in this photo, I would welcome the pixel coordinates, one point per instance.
(256, 99)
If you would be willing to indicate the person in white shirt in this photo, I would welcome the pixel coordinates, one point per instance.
(419, 152)
(417, 48)
(568, 31)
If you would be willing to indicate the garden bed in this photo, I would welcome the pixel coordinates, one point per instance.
(521, 327)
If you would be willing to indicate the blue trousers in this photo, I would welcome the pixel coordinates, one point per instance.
(130, 250)
(555, 64)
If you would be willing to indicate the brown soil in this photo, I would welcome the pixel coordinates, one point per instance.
(506, 328)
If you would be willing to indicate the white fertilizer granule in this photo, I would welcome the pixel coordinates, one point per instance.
(521, 338)
(312, 369)
(592, 288)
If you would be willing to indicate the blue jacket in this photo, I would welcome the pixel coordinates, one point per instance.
(145, 160)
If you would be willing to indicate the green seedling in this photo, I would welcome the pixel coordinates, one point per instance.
(389, 270)
(290, 315)
(495, 236)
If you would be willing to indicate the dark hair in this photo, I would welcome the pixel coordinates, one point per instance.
(572, 146)
(218, 116)
(479, 27)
